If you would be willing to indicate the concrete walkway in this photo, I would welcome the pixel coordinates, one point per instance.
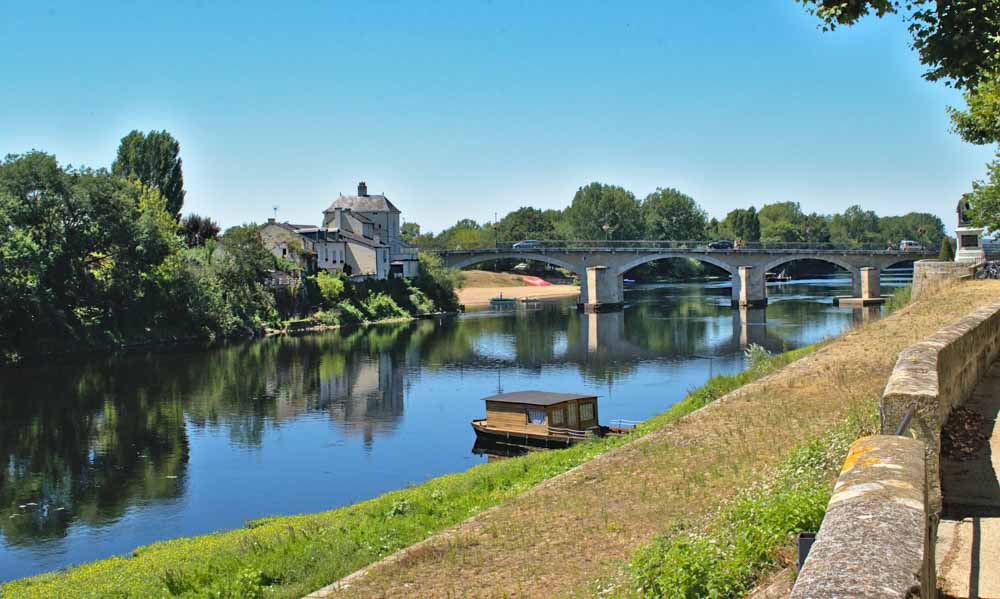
(968, 546)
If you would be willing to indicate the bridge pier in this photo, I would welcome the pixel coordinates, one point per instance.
(603, 291)
(749, 287)
(866, 283)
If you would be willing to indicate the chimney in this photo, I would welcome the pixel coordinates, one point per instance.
(270, 221)
(362, 189)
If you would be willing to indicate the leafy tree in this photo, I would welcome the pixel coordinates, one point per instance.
(670, 214)
(597, 205)
(947, 252)
(855, 226)
(920, 226)
(742, 224)
(527, 223)
(154, 159)
(198, 229)
(955, 39)
(409, 232)
(985, 199)
(438, 282)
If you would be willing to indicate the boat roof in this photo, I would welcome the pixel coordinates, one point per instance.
(536, 398)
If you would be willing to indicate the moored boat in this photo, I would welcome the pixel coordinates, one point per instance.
(541, 419)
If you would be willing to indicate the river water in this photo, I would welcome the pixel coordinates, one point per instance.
(106, 454)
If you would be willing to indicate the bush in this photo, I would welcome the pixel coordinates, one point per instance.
(947, 253)
(381, 306)
(420, 302)
(757, 356)
(331, 287)
(438, 282)
(350, 314)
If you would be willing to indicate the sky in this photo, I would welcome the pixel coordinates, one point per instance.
(469, 108)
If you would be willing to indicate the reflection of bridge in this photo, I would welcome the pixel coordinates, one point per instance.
(601, 265)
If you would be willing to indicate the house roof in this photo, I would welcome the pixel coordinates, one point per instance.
(536, 398)
(368, 203)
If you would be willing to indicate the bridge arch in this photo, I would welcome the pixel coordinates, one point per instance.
(835, 260)
(644, 259)
(480, 258)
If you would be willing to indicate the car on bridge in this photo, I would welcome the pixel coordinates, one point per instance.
(527, 244)
(721, 244)
(907, 245)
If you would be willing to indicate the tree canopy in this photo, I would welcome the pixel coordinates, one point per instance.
(597, 205)
(154, 159)
(670, 214)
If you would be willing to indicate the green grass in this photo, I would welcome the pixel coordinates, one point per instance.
(289, 556)
(726, 556)
(900, 297)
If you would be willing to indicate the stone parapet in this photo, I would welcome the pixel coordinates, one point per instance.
(937, 375)
(930, 275)
(875, 535)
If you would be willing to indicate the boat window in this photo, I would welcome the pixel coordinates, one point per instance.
(586, 411)
(536, 416)
(557, 417)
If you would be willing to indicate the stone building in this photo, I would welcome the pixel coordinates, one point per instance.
(360, 237)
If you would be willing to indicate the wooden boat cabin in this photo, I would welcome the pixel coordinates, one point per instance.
(539, 418)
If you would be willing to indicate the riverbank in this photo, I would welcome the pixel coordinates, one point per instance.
(295, 555)
(480, 296)
(577, 534)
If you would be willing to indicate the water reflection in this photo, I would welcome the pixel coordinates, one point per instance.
(108, 454)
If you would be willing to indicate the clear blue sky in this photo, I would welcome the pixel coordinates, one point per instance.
(460, 109)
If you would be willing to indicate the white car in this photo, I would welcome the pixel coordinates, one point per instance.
(907, 245)
(527, 244)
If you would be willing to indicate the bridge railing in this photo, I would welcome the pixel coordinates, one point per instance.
(656, 244)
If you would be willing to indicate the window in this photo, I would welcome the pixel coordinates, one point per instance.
(536, 416)
(586, 411)
(557, 417)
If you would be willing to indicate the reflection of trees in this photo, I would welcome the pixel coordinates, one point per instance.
(84, 446)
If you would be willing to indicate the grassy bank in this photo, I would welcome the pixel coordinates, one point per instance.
(725, 555)
(291, 556)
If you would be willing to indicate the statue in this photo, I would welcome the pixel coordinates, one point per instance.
(964, 206)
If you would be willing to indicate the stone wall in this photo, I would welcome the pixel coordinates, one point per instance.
(937, 375)
(873, 540)
(878, 536)
(930, 275)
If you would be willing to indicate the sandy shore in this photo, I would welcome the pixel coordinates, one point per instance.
(480, 296)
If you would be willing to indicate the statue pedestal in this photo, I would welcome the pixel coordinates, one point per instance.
(970, 245)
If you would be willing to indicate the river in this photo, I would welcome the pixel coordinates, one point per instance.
(109, 453)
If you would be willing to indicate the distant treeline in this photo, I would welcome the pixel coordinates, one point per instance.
(600, 211)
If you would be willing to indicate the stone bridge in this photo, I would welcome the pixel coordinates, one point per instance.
(601, 267)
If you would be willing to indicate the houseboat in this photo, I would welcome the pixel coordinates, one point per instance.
(541, 419)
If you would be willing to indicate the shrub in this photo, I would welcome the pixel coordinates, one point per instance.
(420, 302)
(947, 253)
(381, 306)
(331, 287)
(757, 356)
(350, 314)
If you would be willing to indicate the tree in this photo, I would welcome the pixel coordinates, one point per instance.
(742, 224)
(597, 205)
(956, 40)
(920, 226)
(947, 253)
(670, 214)
(409, 232)
(782, 222)
(154, 159)
(855, 226)
(331, 287)
(198, 229)
(526, 223)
